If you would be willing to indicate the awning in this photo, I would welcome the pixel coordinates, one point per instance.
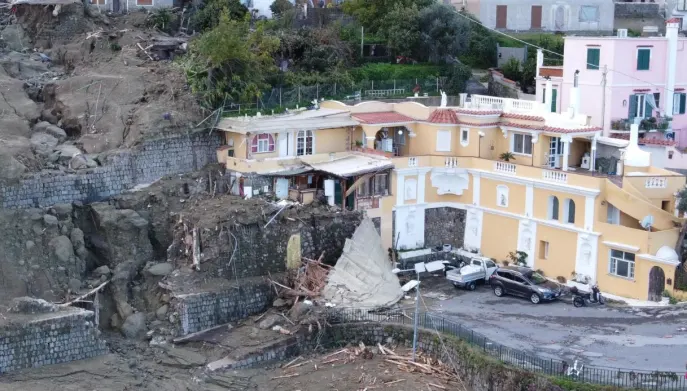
(353, 165)
(358, 182)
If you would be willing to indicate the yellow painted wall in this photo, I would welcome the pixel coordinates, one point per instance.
(239, 141)
(331, 140)
(495, 242)
(432, 196)
(488, 144)
(562, 251)
(541, 205)
(425, 142)
(637, 288)
(516, 196)
(265, 155)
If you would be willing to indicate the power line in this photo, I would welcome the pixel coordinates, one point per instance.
(555, 53)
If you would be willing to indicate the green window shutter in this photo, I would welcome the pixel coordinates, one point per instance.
(647, 109)
(643, 59)
(554, 97)
(633, 107)
(683, 99)
(593, 55)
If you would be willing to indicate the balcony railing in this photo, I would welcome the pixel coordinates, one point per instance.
(505, 167)
(656, 183)
(507, 105)
(555, 176)
(651, 124)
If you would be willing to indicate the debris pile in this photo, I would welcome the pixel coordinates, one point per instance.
(160, 47)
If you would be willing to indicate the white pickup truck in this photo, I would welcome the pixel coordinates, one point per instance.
(478, 270)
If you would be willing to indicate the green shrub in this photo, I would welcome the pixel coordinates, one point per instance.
(382, 71)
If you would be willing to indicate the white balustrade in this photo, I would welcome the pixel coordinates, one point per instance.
(412, 162)
(505, 167)
(451, 162)
(505, 104)
(656, 183)
(555, 176)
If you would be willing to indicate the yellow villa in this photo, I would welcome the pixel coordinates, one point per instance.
(492, 175)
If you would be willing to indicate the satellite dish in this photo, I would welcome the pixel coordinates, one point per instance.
(647, 222)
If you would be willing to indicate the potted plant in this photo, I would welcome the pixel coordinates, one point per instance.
(507, 156)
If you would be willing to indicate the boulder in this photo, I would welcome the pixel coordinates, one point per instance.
(15, 38)
(47, 115)
(183, 358)
(160, 269)
(102, 271)
(115, 321)
(74, 284)
(11, 167)
(43, 144)
(67, 152)
(161, 313)
(81, 161)
(269, 321)
(61, 248)
(31, 305)
(62, 211)
(49, 220)
(134, 326)
(53, 130)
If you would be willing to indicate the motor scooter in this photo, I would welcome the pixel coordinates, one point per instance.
(580, 298)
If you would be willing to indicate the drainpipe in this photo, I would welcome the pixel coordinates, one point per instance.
(548, 95)
(672, 27)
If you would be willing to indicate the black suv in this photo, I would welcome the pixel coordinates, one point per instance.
(524, 282)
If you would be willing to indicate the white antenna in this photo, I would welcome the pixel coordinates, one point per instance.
(647, 222)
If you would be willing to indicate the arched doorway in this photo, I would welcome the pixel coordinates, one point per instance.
(657, 283)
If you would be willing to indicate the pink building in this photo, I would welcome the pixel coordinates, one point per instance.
(623, 80)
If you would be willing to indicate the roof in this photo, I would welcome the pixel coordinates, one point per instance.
(552, 129)
(353, 165)
(613, 141)
(443, 116)
(522, 117)
(384, 117)
(304, 120)
(647, 141)
(43, 2)
(551, 71)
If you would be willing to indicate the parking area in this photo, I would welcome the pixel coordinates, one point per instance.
(611, 335)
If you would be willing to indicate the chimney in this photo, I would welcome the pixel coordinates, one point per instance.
(672, 27)
(635, 157)
(575, 95)
(540, 61)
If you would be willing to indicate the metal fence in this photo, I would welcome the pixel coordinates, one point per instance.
(303, 95)
(625, 378)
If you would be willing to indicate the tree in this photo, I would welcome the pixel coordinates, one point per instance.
(371, 13)
(231, 61)
(402, 30)
(208, 17)
(443, 34)
(279, 7)
(511, 69)
(457, 77)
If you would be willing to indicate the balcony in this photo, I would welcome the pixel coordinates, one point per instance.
(651, 124)
(507, 105)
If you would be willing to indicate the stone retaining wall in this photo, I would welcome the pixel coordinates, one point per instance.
(444, 226)
(637, 10)
(200, 311)
(151, 161)
(49, 339)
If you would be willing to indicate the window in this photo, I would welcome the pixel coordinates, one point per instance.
(522, 143)
(262, 143)
(682, 6)
(639, 107)
(553, 208)
(622, 264)
(657, 99)
(589, 13)
(490, 264)
(230, 153)
(519, 280)
(304, 143)
(569, 211)
(679, 100)
(543, 249)
(643, 59)
(670, 154)
(443, 141)
(381, 184)
(464, 136)
(612, 215)
(593, 57)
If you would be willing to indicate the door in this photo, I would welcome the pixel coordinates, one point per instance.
(536, 17)
(657, 283)
(520, 286)
(501, 16)
(554, 99)
(338, 193)
(115, 6)
(283, 144)
(281, 190)
(555, 152)
(350, 200)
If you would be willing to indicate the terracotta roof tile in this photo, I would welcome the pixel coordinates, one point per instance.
(443, 116)
(383, 117)
(478, 112)
(522, 116)
(479, 125)
(674, 20)
(544, 128)
(646, 141)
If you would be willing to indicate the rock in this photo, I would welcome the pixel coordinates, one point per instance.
(161, 312)
(49, 220)
(115, 321)
(30, 244)
(54, 157)
(30, 305)
(102, 271)
(279, 303)
(67, 152)
(182, 358)
(134, 326)
(164, 298)
(77, 238)
(62, 211)
(43, 144)
(74, 284)
(15, 37)
(103, 278)
(61, 248)
(269, 321)
(160, 269)
(48, 116)
(53, 130)
(11, 167)
(173, 317)
(81, 161)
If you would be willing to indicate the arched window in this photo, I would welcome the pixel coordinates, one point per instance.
(262, 143)
(553, 208)
(304, 143)
(569, 211)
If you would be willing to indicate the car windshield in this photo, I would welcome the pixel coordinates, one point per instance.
(537, 278)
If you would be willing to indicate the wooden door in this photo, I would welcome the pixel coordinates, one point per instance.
(657, 283)
(501, 16)
(536, 17)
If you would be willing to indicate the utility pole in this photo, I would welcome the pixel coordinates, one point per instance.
(417, 309)
(362, 39)
(603, 96)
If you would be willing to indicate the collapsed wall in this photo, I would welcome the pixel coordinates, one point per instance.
(31, 341)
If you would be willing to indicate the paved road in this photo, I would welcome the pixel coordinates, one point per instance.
(600, 336)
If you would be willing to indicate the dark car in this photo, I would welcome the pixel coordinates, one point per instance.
(524, 282)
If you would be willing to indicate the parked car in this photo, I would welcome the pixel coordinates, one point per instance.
(524, 282)
(479, 269)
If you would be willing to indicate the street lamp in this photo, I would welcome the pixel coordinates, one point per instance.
(420, 267)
